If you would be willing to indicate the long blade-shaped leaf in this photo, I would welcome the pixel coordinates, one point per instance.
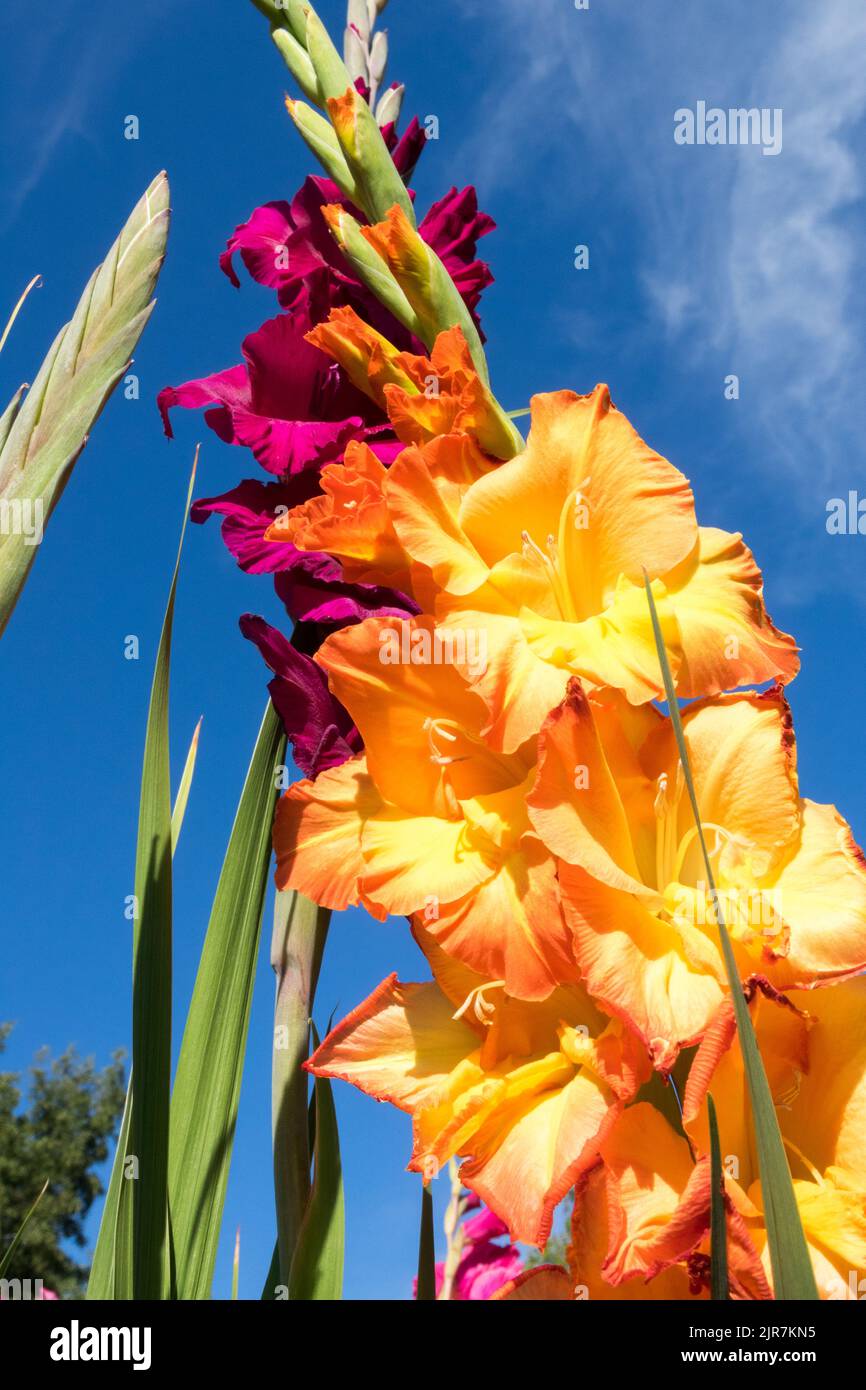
(317, 1268)
(207, 1085)
(718, 1216)
(84, 364)
(272, 1282)
(151, 992)
(6, 1261)
(101, 1284)
(793, 1277)
(300, 929)
(180, 801)
(426, 1290)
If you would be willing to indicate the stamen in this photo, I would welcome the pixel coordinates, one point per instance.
(433, 729)
(481, 1007)
(662, 811)
(804, 1160)
(722, 835)
(530, 545)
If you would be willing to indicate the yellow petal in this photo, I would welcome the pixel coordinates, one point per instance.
(526, 1174)
(834, 1219)
(411, 861)
(317, 834)
(590, 1243)
(398, 679)
(826, 1119)
(427, 526)
(744, 763)
(728, 638)
(575, 806)
(821, 895)
(400, 1045)
(665, 982)
(640, 508)
(511, 927)
(516, 685)
(615, 648)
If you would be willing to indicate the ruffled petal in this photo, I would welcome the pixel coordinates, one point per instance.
(640, 508)
(728, 638)
(666, 982)
(317, 834)
(821, 896)
(400, 1045)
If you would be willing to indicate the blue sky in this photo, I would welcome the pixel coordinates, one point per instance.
(705, 261)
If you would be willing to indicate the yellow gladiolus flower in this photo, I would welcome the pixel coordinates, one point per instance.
(610, 803)
(641, 1223)
(549, 551)
(525, 1092)
(430, 822)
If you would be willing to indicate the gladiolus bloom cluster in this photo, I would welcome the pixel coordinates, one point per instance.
(474, 693)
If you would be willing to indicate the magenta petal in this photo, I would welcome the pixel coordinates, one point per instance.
(229, 389)
(480, 1280)
(485, 1226)
(248, 510)
(453, 227)
(288, 403)
(261, 242)
(406, 151)
(316, 592)
(319, 729)
(291, 446)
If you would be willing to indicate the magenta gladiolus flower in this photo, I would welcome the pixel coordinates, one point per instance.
(296, 411)
(287, 247)
(321, 733)
(484, 1266)
(286, 402)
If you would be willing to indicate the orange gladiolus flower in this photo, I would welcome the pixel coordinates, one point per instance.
(610, 802)
(525, 1092)
(429, 821)
(424, 396)
(351, 518)
(367, 357)
(550, 552)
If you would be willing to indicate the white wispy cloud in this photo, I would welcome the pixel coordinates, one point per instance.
(60, 62)
(753, 258)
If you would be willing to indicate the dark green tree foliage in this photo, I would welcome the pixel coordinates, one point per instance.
(60, 1130)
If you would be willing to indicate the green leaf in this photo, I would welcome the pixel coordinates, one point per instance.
(122, 1269)
(151, 991)
(426, 1250)
(718, 1215)
(204, 1103)
(84, 364)
(6, 1261)
(317, 1268)
(300, 930)
(272, 1282)
(793, 1277)
(101, 1283)
(182, 797)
